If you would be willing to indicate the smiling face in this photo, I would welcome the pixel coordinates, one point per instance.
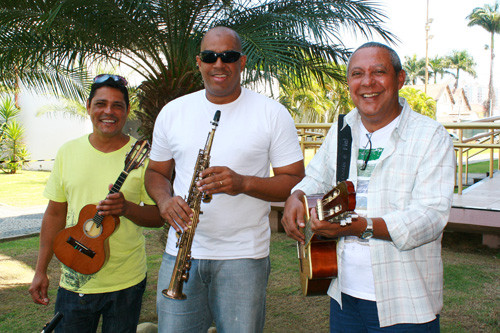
(374, 86)
(108, 112)
(222, 80)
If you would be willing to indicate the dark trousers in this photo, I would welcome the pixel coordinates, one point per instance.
(120, 310)
(359, 315)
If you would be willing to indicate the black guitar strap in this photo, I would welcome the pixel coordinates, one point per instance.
(344, 142)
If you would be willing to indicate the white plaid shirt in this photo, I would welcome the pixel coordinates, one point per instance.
(411, 188)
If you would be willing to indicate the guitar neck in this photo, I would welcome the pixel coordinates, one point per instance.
(119, 182)
(336, 206)
(115, 189)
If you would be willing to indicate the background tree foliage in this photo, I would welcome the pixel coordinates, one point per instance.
(320, 102)
(414, 69)
(419, 101)
(488, 17)
(438, 65)
(49, 44)
(461, 61)
(12, 150)
(451, 64)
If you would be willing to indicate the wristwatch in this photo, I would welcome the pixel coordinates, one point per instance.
(368, 233)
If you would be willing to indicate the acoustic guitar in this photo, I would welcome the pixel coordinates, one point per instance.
(318, 256)
(84, 247)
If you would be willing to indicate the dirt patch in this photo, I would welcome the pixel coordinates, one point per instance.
(14, 272)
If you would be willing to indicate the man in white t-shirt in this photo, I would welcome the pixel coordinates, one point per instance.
(390, 274)
(230, 265)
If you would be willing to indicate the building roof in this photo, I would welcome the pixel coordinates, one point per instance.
(435, 91)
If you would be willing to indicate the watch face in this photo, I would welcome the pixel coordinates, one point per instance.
(367, 234)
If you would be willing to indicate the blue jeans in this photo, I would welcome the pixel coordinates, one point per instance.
(230, 292)
(120, 310)
(359, 315)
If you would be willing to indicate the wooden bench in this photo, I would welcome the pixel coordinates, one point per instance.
(275, 216)
(483, 221)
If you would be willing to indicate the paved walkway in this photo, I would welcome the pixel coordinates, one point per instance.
(17, 222)
(482, 195)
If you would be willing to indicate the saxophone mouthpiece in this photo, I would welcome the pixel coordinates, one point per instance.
(216, 118)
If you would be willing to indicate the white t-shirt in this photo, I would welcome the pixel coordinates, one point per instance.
(254, 132)
(357, 276)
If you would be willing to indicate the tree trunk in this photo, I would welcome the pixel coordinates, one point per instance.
(491, 94)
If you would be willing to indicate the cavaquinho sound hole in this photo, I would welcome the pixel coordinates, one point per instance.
(92, 229)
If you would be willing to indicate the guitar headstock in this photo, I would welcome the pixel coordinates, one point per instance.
(137, 155)
(337, 206)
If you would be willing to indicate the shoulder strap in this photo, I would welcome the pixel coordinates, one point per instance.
(344, 142)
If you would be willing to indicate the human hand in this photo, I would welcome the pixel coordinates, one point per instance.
(293, 216)
(114, 204)
(334, 230)
(176, 212)
(219, 179)
(38, 289)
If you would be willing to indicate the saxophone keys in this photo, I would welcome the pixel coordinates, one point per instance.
(207, 198)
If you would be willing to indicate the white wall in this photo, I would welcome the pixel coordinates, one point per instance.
(45, 134)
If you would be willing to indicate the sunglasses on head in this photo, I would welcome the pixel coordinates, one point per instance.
(116, 78)
(210, 57)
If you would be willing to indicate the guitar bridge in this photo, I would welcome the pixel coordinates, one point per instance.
(80, 247)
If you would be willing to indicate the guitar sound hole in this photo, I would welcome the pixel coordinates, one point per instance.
(91, 229)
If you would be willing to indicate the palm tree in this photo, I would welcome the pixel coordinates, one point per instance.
(414, 69)
(438, 65)
(461, 60)
(51, 42)
(321, 102)
(488, 18)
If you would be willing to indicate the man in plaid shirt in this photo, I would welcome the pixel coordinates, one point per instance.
(390, 272)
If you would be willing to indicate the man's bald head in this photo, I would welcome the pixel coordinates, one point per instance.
(222, 31)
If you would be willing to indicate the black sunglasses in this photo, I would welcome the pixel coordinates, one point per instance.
(116, 78)
(227, 57)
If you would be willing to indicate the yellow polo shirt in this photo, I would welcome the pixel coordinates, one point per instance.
(81, 176)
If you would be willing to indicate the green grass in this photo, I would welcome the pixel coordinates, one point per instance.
(482, 167)
(471, 288)
(24, 188)
(471, 283)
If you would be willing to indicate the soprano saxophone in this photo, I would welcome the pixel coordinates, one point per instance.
(180, 275)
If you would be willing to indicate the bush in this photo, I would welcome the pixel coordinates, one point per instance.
(13, 152)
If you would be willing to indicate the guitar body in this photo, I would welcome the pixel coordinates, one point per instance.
(84, 247)
(318, 257)
(318, 265)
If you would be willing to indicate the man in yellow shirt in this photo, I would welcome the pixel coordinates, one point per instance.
(82, 171)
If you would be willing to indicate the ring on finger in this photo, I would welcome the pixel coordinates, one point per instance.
(220, 182)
